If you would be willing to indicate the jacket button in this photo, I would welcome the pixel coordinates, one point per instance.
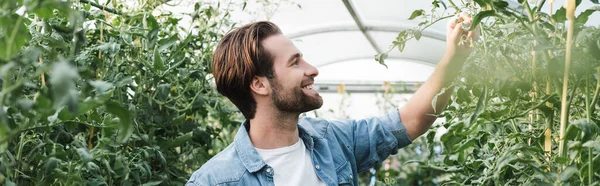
(268, 170)
(317, 166)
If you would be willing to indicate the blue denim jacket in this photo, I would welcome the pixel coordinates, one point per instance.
(339, 150)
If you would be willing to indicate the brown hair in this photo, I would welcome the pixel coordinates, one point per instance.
(238, 58)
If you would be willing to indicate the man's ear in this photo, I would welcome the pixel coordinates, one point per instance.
(260, 85)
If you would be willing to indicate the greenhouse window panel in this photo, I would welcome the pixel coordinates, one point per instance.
(372, 26)
(366, 87)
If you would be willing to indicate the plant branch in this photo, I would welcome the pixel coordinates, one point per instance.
(529, 11)
(564, 105)
(454, 5)
(13, 34)
(536, 106)
(101, 7)
(595, 97)
(540, 5)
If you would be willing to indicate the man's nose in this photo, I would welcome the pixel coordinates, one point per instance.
(312, 71)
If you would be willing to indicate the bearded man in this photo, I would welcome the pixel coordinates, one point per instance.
(266, 77)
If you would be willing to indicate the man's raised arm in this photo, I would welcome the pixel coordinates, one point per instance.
(417, 113)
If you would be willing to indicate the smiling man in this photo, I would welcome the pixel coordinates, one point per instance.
(266, 77)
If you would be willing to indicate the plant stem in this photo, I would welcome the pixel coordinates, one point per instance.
(529, 11)
(588, 119)
(595, 97)
(43, 79)
(19, 151)
(532, 114)
(540, 5)
(548, 132)
(13, 34)
(100, 7)
(454, 6)
(564, 106)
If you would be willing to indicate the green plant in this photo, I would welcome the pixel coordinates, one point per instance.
(108, 94)
(504, 116)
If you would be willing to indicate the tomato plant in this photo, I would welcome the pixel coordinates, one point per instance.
(108, 94)
(525, 108)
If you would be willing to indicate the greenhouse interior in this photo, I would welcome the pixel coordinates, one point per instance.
(123, 92)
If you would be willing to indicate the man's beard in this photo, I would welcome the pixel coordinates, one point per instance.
(295, 100)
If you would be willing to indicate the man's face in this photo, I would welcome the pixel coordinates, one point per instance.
(291, 87)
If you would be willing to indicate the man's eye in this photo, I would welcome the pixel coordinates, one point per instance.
(295, 62)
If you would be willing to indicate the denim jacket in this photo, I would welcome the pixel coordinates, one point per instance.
(339, 150)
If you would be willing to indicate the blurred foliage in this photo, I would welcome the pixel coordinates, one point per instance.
(109, 94)
(503, 119)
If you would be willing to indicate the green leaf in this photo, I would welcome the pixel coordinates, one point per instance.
(435, 98)
(125, 126)
(481, 103)
(416, 33)
(466, 144)
(124, 81)
(84, 154)
(51, 164)
(560, 15)
(101, 86)
(45, 9)
(158, 61)
(163, 91)
(500, 4)
(593, 144)
(13, 35)
(568, 173)
(583, 17)
(179, 140)
(63, 79)
(594, 1)
(10, 183)
(381, 58)
(111, 48)
(152, 183)
(479, 17)
(416, 14)
(168, 42)
(485, 3)
(588, 129)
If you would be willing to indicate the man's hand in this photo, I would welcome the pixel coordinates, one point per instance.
(459, 42)
(416, 114)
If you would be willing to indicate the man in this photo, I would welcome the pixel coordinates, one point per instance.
(265, 76)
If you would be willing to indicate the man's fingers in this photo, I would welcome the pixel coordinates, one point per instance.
(474, 34)
(457, 31)
(452, 23)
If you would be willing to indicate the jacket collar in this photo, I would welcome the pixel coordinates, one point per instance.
(248, 155)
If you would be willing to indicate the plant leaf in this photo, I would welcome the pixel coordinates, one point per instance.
(435, 98)
(125, 127)
(158, 61)
(560, 15)
(583, 17)
(568, 173)
(480, 107)
(101, 86)
(84, 154)
(593, 144)
(381, 58)
(479, 17)
(152, 183)
(416, 14)
(168, 42)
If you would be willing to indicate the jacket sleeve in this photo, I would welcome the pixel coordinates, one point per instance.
(372, 139)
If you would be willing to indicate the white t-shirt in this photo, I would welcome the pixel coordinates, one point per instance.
(292, 165)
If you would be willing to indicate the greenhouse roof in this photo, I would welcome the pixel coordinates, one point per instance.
(347, 34)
